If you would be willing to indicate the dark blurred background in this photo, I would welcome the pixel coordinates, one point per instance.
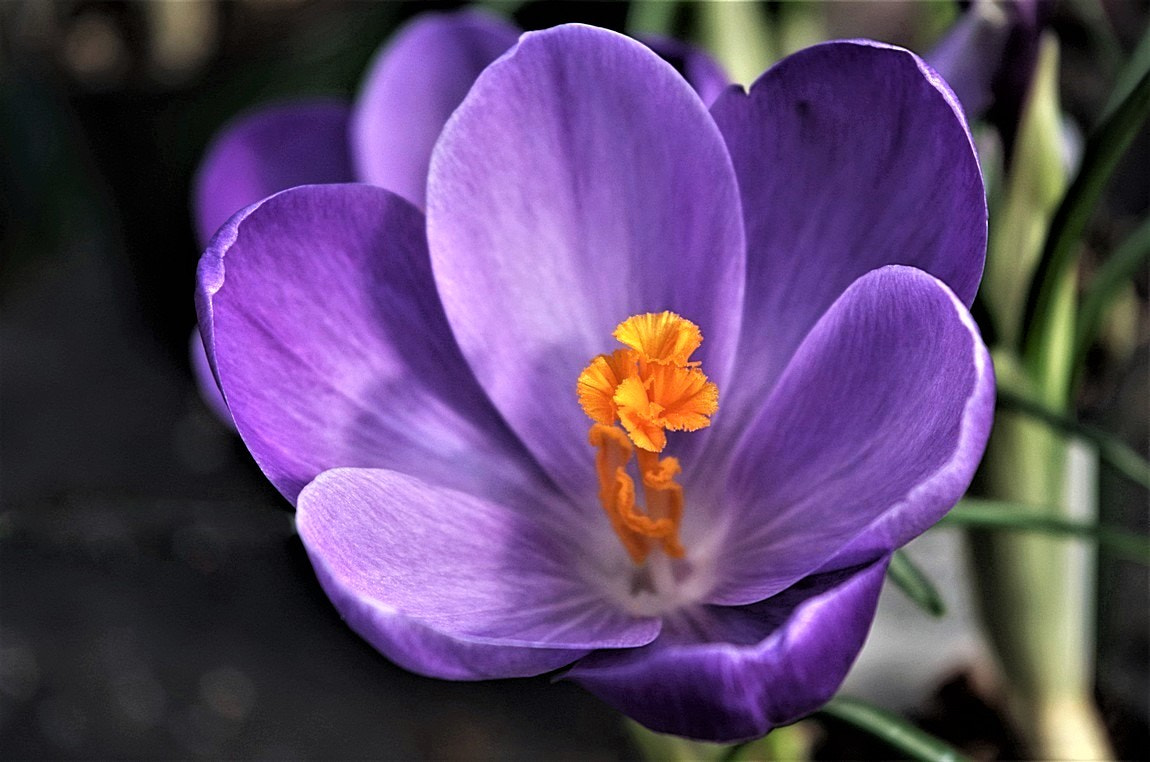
(154, 599)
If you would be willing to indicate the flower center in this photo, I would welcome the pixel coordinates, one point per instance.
(650, 387)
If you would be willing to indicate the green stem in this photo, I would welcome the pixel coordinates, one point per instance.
(892, 729)
(1036, 591)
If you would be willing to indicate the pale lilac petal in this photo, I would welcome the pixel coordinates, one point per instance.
(416, 81)
(850, 156)
(703, 72)
(729, 674)
(320, 317)
(871, 435)
(269, 150)
(451, 585)
(582, 181)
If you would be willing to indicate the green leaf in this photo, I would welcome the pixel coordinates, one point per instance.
(1006, 516)
(1114, 452)
(1138, 64)
(915, 584)
(1107, 285)
(891, 729)
(1104, 148)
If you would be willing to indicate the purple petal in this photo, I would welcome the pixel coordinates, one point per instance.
(582, 181)
(269, 150)
(451, 585)
(703, 72)
(320, 317)
(850, 156)
(728, 674)
(416, 81)
(871, 435)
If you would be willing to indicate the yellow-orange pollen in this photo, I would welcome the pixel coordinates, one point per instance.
(649, 387)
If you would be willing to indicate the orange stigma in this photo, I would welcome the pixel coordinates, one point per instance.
(650, 387)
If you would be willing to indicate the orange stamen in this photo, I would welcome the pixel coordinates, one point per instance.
(664, 496)
(610, 465)
(649, 388)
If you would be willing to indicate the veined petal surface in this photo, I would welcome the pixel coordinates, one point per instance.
(871, 435)
(727, 674)
(850, 156)
(322, 323)
(582, 181)
(496, 591)
(415, 82)
(271, 149)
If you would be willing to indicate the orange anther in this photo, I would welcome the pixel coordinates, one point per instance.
(665, 397)
(660, 337)
(649, 388)
(598, 381)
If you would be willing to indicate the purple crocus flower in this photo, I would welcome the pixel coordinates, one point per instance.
(756, 313)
